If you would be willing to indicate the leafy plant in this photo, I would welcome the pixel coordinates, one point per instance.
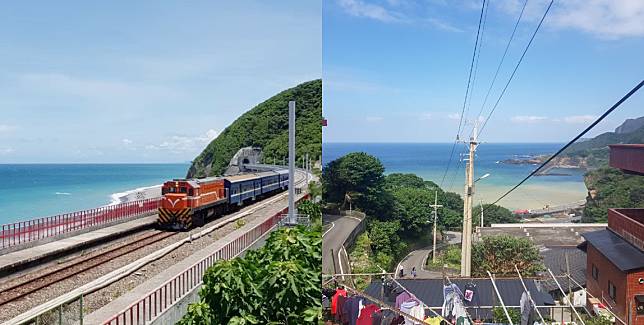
(500, 317)
(278, 283)
(492, 213)
(499, 254)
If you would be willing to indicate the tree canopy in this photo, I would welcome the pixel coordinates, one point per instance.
(359, 176)
(611, 188)
(398, 205)
(266, 126)
(278, 283)
(492, 213)
(499, 254)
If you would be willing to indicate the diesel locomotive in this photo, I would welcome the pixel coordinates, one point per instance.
(191, 202)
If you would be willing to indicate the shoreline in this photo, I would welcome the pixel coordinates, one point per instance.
(140, 193)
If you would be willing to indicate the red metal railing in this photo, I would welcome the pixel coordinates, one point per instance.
(26, 231)
(158, 301)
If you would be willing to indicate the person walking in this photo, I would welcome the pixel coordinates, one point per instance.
(413, 271)
(402, 272)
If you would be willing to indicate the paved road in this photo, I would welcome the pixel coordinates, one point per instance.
(418, 257)
(332, 240)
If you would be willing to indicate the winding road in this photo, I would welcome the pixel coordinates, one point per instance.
(418, 257)
(334, 256)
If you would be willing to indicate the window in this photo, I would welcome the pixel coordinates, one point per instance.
(639, 304)
(612, 291)
(191, 192)
(595, 272)
(184, 190)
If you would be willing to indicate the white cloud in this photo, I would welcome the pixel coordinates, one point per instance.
(576, 119)
(443, 25)
(127, 142)
(7, 151)
(528, 119)
(360, 8)
(454, 116)
(5, 128)
(607, 19)
(184, 143)
(426, 116)
(373, 119)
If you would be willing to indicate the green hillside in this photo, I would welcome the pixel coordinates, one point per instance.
(595, 151)
(611, 188)
(266, 126)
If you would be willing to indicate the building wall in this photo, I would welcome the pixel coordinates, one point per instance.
(635, 288)
(607, 272)
(628, 224)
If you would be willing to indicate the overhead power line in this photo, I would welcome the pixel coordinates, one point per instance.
(467, 90)
(610, 110)
(505, 53)
(517, 66)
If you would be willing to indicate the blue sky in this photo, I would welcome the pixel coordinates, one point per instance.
(396, 70)
(143, 81)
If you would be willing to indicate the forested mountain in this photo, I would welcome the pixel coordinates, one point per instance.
(266, 126)
(593, 153)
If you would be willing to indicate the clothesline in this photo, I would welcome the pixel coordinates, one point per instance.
(384, 305)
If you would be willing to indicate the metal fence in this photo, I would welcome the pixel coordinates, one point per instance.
(159, 300)
(26, 231)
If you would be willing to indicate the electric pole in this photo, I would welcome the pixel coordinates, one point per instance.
(466, 245)
(481, 213)
(435, 206)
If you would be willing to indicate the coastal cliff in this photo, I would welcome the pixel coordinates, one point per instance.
(589, 154)
(266, 126)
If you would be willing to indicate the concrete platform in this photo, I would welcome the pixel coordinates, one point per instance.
(119, 304)
(24, 258)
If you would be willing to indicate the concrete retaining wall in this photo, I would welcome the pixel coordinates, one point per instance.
(359, 229)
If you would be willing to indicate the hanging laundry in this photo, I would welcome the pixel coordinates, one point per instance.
(433, 320)
(526, 309)
(366, 315)
(470, 290)
(463, 321)
(334, 300)
(340, 316)
(406, 307)
(418, 312)
(351, 309)
(404, 296)
(376, 317)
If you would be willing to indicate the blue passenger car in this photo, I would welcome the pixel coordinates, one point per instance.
(250, 186)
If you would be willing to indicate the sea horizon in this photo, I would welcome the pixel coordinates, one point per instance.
(34, 190)
(429, 161)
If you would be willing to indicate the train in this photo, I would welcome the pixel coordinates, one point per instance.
(188, 203)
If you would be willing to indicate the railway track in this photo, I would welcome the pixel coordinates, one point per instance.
(29, 287)
(25, 288)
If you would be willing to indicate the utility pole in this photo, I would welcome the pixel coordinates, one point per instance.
(481, 213)
(466, 245)
(435, 206)
(291, 161)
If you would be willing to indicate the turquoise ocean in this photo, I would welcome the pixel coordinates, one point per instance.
(429, 160)
(37, 190)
